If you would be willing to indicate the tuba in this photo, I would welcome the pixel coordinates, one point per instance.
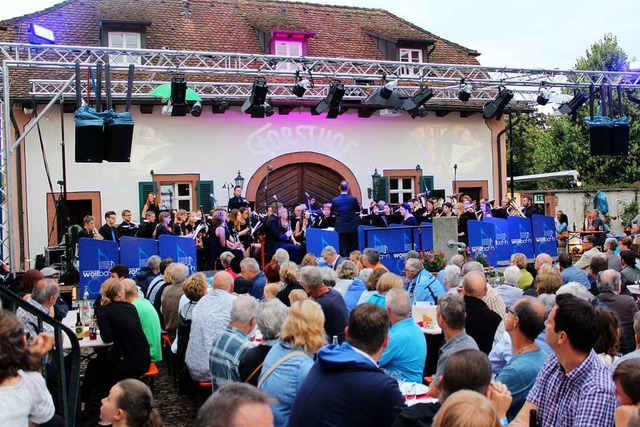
(514, 209)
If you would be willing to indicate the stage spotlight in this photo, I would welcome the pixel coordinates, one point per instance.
(465, 91)
(414, 105)
(496, 107)
(40, 35)
(543, 97)
(196, 110)
(219, 107)
(387, 89)
(571, 107)
(177, 105)
(301, 87)
(332, 101)
(257, 99)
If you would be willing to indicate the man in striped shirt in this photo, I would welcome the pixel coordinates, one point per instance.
(573, 388)
(229, 347)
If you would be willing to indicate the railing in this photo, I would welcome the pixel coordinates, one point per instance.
(67, 395)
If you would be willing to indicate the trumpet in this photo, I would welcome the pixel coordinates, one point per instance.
(514, 209)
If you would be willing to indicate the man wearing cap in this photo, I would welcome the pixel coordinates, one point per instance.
(60, 308)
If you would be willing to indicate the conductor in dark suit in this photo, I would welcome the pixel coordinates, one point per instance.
(346, 209)
(237, 201)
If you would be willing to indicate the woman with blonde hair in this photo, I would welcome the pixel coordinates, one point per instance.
(548, 280)
(194, 288)
(386, 282)
(129, 357)
(520, 260)
(309, 259)
(289, 279)
(297, 295)
(130, 404)
(288, 362)
(466, 408)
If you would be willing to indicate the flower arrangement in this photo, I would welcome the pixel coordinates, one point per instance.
(479, 257)
(433, 261)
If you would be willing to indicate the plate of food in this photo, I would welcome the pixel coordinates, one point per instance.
(413, 389)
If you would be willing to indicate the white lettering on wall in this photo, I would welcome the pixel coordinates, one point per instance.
(271, 141)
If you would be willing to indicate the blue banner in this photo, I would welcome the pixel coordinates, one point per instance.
(390, 240)
(426, 237)
(180, 249)
(393, 262)
(317, 239)
(544, 235)
(482, 237)
(520, 235)
(502, 242)
(135, 252)
(95, 258)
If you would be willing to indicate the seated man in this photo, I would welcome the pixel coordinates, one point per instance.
(451, 314)
(210, 317)
(345, 387)
(483, 324)
(406, 353)
(590, 250)
(229, 347)
(573, 388)
(465, 370)
(524, 323)
(571, 273)
(238, 405)
(422, 286)
(148, 318)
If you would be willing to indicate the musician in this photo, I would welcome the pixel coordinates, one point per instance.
(89, 229)
(126, 227)
(416, 208)
(300, 231)
(392, 218)
(428, 213)
(405, 213)
(326, 220)
(164, 225)
(219, 237)
(284, 237)
(503, 210)
(464, 216)
(180, 223)
(252, 247)
(237, 201)
(108, 230)
(485, 211)
(150, 204)
(527, 208)
(378, 218)
(148, 226)
(447, 210)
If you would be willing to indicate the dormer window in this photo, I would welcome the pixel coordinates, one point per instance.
(124, 35)
(124, 40)
(413, 56)
(289, 43)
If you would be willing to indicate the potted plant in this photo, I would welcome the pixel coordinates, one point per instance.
(433, 261)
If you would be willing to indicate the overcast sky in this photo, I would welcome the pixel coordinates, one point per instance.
(514, 33)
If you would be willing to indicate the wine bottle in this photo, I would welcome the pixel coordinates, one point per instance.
(335, 340)
(533, 418)
(79, 327)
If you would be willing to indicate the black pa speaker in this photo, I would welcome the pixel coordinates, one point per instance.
(600, 140)
(620, 140)
(117, 143)
(89, 144)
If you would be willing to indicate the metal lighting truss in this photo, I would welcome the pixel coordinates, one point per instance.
(218, 75)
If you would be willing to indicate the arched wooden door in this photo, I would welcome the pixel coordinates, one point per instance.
(290, 182)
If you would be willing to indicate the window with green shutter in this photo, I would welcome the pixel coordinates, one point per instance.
(144, 188)
(205, 190)
(381, 190)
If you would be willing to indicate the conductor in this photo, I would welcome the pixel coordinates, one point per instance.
(346, 209)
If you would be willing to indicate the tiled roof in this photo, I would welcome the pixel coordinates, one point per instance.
(230, 26)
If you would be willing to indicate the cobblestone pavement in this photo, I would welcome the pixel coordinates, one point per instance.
(175, 410)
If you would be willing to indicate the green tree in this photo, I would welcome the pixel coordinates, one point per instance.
(548, 144)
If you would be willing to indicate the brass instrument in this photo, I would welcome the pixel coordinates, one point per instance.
(514, 209)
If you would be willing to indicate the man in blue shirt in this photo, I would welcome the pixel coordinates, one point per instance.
(406, 353)
(422, 285)
(525, 321)
(250, 270)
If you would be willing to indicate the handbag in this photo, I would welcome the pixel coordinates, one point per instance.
(280, 361)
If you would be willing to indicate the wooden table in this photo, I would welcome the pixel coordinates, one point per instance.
(70, 322)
